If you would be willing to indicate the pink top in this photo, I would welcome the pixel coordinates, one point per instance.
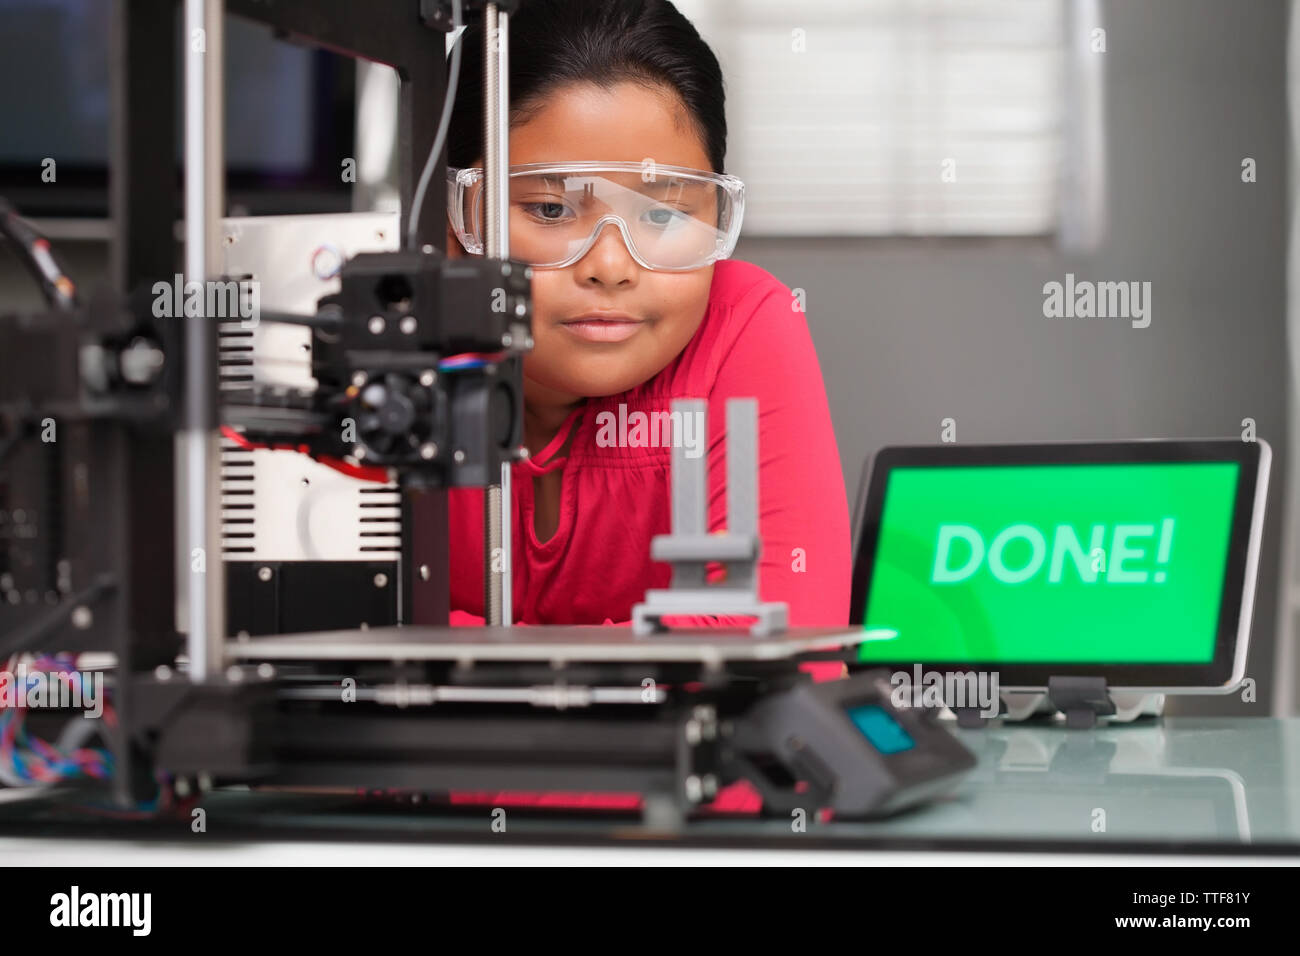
(615, 496)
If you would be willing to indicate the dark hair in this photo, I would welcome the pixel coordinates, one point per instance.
(554, 43)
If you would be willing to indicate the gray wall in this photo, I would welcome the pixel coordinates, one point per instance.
(911, 332)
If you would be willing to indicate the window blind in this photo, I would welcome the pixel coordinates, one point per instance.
(896, 117)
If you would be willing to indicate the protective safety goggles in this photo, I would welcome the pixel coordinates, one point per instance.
(672, 219)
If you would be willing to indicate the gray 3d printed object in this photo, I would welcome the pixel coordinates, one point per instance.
(690, 547)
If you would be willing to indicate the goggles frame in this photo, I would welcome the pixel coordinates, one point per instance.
(459, 181)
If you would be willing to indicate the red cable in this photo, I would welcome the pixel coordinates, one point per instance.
(363, 472)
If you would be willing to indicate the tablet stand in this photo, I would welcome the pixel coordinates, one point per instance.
(1011, 707)
(1079, 713)
(1081, 699)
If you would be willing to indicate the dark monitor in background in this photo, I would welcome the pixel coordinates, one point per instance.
(289, 114)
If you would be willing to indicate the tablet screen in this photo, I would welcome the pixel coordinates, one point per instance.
(1075, 563)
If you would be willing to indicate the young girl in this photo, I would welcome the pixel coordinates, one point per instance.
(631, 312)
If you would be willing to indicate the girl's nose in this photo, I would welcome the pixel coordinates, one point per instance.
(608, 262)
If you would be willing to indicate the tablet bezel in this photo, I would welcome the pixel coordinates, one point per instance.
(1228, 666)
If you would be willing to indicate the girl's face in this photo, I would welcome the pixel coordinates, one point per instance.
(625, 123)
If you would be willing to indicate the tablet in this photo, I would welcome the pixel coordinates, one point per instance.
(1133, 561)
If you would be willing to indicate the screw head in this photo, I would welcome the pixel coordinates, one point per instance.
(140, 363)
(376, 325)
(428, 377)
(359, 379)
(381, 580)
(264, 573)
(459, 456)
(428, 451)
(82, 618)
(326, 262)
(407, 325)
(694, 789)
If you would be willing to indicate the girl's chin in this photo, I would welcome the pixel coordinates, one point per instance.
(604, 386)
(595, 377)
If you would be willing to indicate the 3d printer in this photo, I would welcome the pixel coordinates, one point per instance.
(115, 421)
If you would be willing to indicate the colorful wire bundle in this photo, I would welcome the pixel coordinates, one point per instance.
(468, 360)
(33, 760)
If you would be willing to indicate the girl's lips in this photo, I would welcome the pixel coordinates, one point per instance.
(603, 330)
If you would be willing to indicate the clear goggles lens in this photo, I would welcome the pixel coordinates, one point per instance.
(671, 219)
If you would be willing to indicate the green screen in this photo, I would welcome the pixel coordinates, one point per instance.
(1105, 563)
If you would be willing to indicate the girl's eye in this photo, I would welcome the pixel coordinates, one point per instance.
(664, 217)
(546, 211)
